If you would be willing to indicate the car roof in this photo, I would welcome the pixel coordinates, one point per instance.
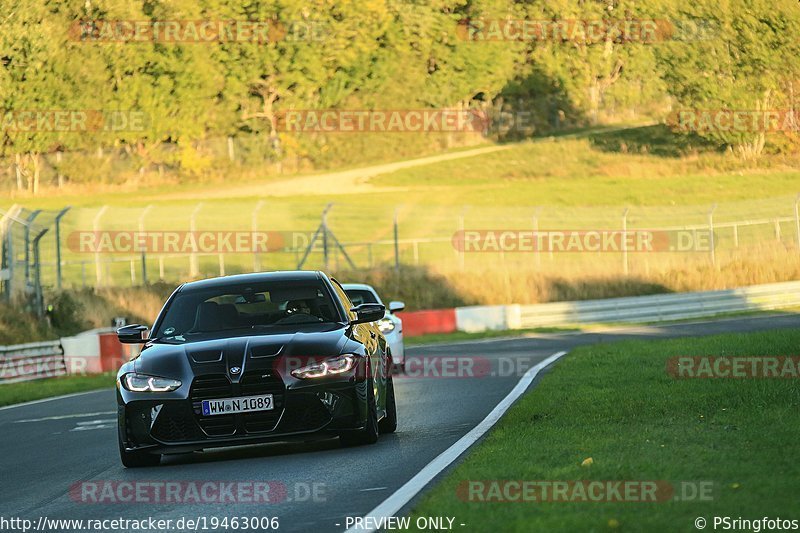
(358, 287)
(362, 287)
(255, 277)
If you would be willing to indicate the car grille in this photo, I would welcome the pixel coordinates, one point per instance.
(181, 422)
(216, 386)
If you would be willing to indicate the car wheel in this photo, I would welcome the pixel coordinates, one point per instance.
(368, 435)
(137, 459)
(389, 423)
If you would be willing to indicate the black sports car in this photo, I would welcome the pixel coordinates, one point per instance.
(254, 358)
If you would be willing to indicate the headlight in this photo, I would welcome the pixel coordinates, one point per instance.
(385, 325)
(142, 383)
(329, 367)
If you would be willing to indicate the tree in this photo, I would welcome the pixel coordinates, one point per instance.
(42, 79)
(750, 63)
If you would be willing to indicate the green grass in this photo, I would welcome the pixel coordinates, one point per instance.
(27, 391)
(616, 404)
(119, 195)
(635, 166)
(581, 173)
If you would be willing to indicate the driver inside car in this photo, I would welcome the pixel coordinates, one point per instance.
(294, 307)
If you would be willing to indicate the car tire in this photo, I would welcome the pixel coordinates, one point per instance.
(388, 424)
(369, 434)
(137, 459)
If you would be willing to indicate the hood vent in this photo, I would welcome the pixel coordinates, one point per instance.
(205, 356)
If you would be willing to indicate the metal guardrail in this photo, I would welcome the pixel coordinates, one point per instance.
(23, 362)
(35, 360)
(659, 307)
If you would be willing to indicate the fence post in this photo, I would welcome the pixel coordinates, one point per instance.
(711, 234)
(461, 254)
(144, 251)
(324, 226)
(624, 241)
(60, 176)
(11, 260)
(28, 224)
(58, 244)
(38, 278)
(396, 243)
(254, 228)
(797, 220)
(536, 235)
(5, 279)
(194, 267)
(98, 271)
(7, 260)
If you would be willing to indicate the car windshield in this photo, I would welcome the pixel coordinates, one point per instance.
(214, 311)
(361, 296)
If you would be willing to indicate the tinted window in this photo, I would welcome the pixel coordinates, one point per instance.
(360, 296)
(250, 306)
(344, 298)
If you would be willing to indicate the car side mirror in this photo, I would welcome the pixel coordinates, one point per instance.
(368, 313)
(132, 334)
(396, 306)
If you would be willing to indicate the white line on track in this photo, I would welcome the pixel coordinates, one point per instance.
(62, 417)
(403, 495)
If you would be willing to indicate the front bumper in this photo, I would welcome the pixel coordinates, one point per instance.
(173, 422)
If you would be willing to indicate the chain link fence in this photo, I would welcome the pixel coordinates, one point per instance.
(111, 246)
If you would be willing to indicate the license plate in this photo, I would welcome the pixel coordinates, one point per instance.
(245, 404)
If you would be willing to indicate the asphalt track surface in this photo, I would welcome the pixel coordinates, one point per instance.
(50, 447)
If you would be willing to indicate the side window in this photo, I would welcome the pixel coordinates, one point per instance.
(343, 297)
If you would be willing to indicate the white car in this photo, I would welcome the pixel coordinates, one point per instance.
(390, 324)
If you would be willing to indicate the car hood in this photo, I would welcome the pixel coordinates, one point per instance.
(219, 355)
